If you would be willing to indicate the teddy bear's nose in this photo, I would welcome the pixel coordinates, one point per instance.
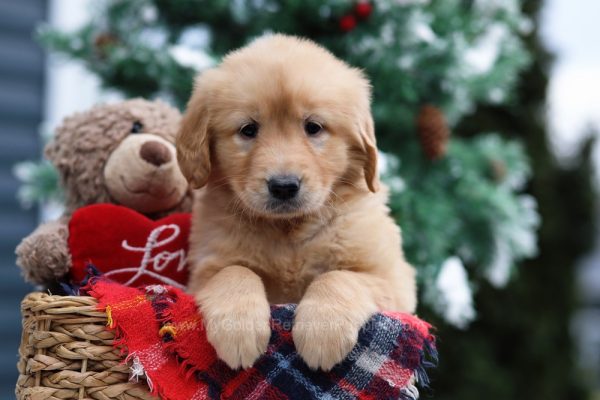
(155, 153)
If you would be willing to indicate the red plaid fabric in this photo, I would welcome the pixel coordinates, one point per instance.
(162, 333)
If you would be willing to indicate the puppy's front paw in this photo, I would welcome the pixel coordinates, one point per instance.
(324, 335)
(239, 336)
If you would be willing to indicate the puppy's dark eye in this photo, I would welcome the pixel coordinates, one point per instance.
(136, 127)
(249, 130)
(312, 128)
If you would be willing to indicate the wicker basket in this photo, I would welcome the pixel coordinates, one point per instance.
(67, 353)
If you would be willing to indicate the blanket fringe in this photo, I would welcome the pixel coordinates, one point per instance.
(428, 360)
(137, 370)
(410, 393)
(185, 366)
(165, 316)
(109, 319)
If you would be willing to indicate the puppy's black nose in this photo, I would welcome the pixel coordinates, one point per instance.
(284, 187)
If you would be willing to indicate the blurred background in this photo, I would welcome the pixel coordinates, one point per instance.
(487, 115)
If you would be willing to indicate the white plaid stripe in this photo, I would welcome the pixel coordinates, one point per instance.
(152, 357)
(370, 361)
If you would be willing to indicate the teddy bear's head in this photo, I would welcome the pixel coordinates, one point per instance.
(121, 153)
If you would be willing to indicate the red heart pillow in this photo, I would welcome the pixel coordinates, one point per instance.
(128, 247)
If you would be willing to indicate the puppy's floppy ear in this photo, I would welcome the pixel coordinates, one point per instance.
(193, 144)
(369, 148)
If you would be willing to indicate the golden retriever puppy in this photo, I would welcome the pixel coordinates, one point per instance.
(280, 135)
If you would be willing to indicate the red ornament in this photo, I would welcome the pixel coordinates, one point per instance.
(347, 23)
(128, 247)
(363, 9)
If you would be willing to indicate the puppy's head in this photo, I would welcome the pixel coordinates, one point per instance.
(283, 123)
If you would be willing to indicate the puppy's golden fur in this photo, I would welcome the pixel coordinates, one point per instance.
(333, 249)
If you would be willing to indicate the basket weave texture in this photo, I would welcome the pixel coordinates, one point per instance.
(66, 352)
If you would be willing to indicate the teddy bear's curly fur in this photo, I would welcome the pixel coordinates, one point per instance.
(118, 153)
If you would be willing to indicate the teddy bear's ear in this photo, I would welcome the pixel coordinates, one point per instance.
(51, 151)
(193, 144)
(59, 150)
(54, 152)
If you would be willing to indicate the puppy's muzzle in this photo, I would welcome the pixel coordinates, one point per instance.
(284, 187)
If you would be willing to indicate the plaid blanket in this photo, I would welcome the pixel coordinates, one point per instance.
(161, 331)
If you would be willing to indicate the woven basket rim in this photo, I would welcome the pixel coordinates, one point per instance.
(67, 352)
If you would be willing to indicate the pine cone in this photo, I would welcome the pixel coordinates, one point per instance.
(103, 41)
(433, 131)
(498, 170)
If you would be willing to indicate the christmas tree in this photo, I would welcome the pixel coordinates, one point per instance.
(521, 346)
(459, 201)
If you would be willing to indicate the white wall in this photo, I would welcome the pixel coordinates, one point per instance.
(70, 87)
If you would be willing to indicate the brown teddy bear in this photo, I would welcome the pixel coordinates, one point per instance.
(120, 153)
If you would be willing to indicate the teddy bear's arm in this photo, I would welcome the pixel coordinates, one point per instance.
(44, 256)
